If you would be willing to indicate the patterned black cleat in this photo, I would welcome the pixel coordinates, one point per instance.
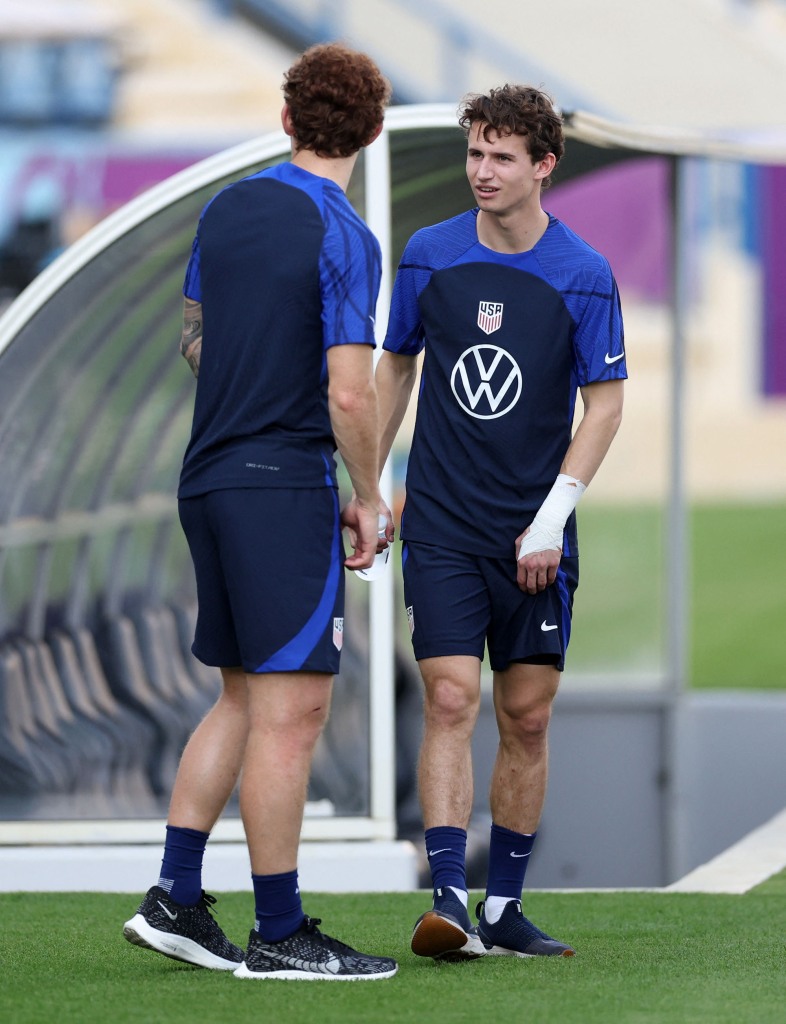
(308, 955)
(183, 933)
(445, 932)
(514, 935)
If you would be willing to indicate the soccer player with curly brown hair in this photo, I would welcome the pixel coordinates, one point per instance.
(280, 296)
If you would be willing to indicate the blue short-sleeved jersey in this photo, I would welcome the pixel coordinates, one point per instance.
(284, 269)
(508, 339)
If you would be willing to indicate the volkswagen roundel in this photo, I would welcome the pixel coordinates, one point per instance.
(486, 381)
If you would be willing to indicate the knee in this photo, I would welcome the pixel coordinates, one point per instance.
(310, 722)
(316, 719)
(527, 724)
(451, 705)
(299, 725)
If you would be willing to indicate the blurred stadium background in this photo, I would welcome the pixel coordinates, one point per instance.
(668, 733)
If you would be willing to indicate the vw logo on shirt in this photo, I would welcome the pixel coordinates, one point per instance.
(486, 381)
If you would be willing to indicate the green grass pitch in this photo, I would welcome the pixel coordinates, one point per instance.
(642, 958)
(736, 599)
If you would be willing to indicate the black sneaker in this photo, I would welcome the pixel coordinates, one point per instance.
(445, 932)
(182, 933)
(514, 935)
(308, 955)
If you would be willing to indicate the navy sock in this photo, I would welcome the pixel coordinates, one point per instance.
(181, 868)
(446, 848)
(508, 858)
(279, 911)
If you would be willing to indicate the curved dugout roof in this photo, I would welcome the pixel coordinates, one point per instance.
(95, 411)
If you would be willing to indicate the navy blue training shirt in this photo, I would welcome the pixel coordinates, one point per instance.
(284, 269)
(509, 338)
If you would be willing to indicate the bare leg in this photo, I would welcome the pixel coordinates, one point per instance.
(523, 696)
(452, 701)
(206, 776)
(451, 707)
(211, 761)
(287, 712)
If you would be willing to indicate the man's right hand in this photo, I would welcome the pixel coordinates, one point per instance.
(362, 522)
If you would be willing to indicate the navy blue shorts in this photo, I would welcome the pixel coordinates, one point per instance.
(270, 578)
(457, 603)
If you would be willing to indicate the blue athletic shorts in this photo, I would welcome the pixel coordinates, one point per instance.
(270, 578)
(457, 603)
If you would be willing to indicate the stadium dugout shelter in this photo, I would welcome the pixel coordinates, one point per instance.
(98, 687)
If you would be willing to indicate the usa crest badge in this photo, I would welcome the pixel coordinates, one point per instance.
(338, 633)
(411, 620)
(489, 316)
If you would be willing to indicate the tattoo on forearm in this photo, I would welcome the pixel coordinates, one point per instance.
(191, 338)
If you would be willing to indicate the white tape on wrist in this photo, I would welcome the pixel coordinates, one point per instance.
(546, 529)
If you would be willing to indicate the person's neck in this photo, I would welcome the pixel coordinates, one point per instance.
(337, 169)
(518, 233)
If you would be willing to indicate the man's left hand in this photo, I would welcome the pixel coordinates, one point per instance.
(538, 569)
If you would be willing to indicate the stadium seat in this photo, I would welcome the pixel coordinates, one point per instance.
(128, 734)
(159, 647)
(83, 752)
(24, 768)
(118, 649)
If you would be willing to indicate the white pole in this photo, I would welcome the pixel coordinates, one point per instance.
(381, 596)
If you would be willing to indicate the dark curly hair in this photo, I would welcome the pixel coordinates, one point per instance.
(517, 110)
(336, 99)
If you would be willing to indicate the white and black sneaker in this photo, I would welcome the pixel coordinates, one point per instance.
(182, 933)
(308, 955)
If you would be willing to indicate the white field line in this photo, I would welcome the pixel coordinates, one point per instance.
(752, 860)
(740, 868)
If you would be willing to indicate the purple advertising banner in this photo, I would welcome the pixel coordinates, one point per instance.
(50, 196)
(623, 211)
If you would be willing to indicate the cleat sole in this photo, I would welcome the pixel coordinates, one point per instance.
(436, 937)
